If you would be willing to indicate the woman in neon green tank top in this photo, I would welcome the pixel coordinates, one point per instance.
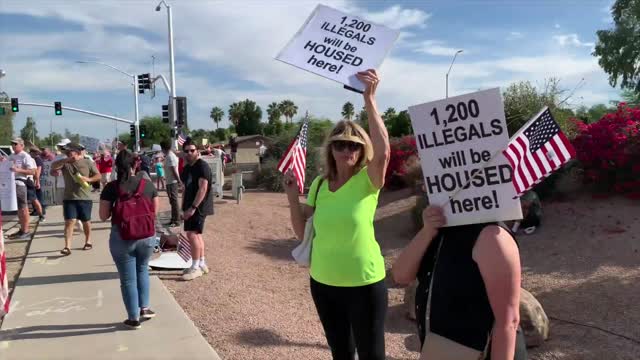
(347, 267)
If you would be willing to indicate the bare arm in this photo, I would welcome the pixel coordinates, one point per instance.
(176, 175)
(25, 171)
(406, 266)
(37, 176)
(105, 210)
(498, 259)
(58, 164)
(377, 168)
(156, 204)
(299, 212)
(203, 184)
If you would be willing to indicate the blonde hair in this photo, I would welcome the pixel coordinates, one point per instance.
(346, 129)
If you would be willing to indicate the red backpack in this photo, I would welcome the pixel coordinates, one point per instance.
(134, 214)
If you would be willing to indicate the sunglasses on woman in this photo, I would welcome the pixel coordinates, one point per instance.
(340, 145)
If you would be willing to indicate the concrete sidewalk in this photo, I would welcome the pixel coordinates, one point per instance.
(70, 307)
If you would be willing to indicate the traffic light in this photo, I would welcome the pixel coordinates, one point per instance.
(181, 111)
(143, 131)
(144, 82)
(14, 105)
(132, 131)
(58, 108)
(165, 114)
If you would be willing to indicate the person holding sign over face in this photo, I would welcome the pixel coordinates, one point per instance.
(347, 267)
(468, 289)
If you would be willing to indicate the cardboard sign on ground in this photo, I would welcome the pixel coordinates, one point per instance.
(336, 46)
(460, 140)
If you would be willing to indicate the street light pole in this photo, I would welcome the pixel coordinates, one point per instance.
(172, 73)
(135, 98)
(447, 76)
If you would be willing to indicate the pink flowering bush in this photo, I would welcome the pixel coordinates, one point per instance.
(404, 165)
(609, 151)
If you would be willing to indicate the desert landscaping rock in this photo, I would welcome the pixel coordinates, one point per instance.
(533, 320)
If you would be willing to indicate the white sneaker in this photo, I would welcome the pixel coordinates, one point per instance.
(204, 268)
(192, 274)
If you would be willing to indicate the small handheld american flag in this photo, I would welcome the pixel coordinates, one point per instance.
(296, 156)
(184, 247)
(181, 138)
(536, 151)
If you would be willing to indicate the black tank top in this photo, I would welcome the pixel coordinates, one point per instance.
(460, 308)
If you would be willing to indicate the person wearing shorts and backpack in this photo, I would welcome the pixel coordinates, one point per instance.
(131, 202)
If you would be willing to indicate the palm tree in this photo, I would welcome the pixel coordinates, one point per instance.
(288, 109)
(234, 112)
(274, 113)
(216, 115)
(348, 110)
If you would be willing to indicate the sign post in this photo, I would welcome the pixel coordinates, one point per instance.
(460, 140)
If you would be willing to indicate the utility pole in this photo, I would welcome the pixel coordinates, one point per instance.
(172, 74)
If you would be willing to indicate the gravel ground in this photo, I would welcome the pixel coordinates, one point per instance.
(255, 303)
(582, 264)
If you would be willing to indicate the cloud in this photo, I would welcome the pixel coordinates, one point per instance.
(396, 17)
(557, 26)
(514, 35)
(238, 43)
(435, 47)
(571, 40)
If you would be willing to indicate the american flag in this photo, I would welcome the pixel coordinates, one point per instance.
(184, 247)
(537, 151)
(4, 286)
(296, 156)
(181, 138)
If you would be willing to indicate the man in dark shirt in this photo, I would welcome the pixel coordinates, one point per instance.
(233, 144)
(38, 203)
(197, 203)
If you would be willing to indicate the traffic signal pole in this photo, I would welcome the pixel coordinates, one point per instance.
(76, 110)
(137, 114)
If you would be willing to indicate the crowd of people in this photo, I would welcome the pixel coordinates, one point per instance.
(119, 177)
(467, 301)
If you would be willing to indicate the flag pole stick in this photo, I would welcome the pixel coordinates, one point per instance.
(520, 131)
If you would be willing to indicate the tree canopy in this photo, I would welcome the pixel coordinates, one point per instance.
(619, 48)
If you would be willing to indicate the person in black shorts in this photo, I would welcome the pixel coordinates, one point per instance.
(197, 203)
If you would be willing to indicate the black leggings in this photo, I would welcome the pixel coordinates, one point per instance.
(352, 317)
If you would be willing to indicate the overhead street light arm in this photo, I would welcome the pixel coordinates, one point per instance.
(164, 82)
(452, 61)
(107, 65)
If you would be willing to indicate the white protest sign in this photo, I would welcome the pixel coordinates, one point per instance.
(48, 185)
(336, 46)
(460, 142)
(8, 197)
(216, 170)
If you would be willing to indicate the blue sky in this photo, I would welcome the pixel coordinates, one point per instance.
(225, 53)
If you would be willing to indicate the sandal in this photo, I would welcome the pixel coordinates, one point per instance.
(87, 247)
(65, 251)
